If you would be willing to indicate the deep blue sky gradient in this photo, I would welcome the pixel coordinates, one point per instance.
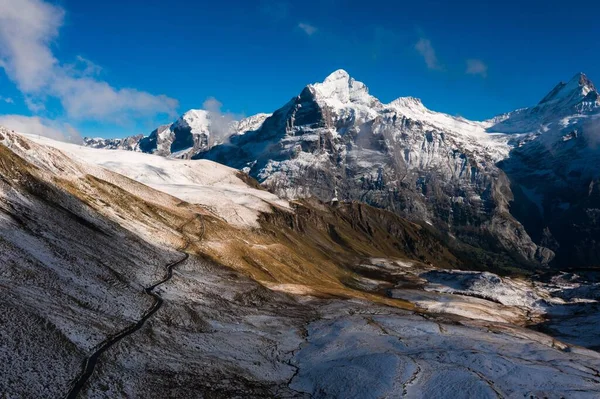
(253, 57)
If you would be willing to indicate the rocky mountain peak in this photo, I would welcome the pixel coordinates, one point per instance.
(583, 82)
(575, 90)
(340, 89)
(338, 75)
(578, 96)
(198, 120)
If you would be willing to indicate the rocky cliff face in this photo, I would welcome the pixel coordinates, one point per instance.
(554, 171)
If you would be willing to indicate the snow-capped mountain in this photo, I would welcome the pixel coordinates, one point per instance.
(578, 96)
(250, 123)
(504, 186)
(335, 140)
(193, 132)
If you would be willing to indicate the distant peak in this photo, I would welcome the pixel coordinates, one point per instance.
(196, 119)
(575, 89)
(340, 74)
(582, 79)
(196, 113)
(343, 89)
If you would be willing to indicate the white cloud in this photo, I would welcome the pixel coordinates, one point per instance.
(424, 47)
(211, 104)
(7, 100)
(476, 67)
(220, 123)
(42, 127)
(28, 28)
(34, 105)
(88, 98)
(307, 28)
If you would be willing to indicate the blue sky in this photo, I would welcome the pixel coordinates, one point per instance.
(152, 60)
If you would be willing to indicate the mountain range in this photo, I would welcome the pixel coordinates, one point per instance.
(520, 189)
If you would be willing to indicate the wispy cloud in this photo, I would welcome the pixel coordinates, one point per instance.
(476, 67)
(220, 122)
(83, 67)
(307, 28)
(7, 100)
(42, 127)
(424, 47)
(27, 30)
(34, 105)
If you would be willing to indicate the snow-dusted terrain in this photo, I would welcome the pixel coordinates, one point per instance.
(563, 304)
(207, 183)
(365, 352)
(70, 273)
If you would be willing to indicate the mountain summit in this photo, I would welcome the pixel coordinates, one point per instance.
(579, 88)
(193, 132)
(578, 96)
(340, 88)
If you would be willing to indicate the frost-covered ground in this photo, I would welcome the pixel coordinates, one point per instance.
(226, 336)
(368, 352)
(578, 320)
(564, 305)
(69, 275)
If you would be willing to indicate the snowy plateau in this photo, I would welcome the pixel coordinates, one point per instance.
(336, 248)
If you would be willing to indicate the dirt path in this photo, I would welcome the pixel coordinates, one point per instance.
(90, 362)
